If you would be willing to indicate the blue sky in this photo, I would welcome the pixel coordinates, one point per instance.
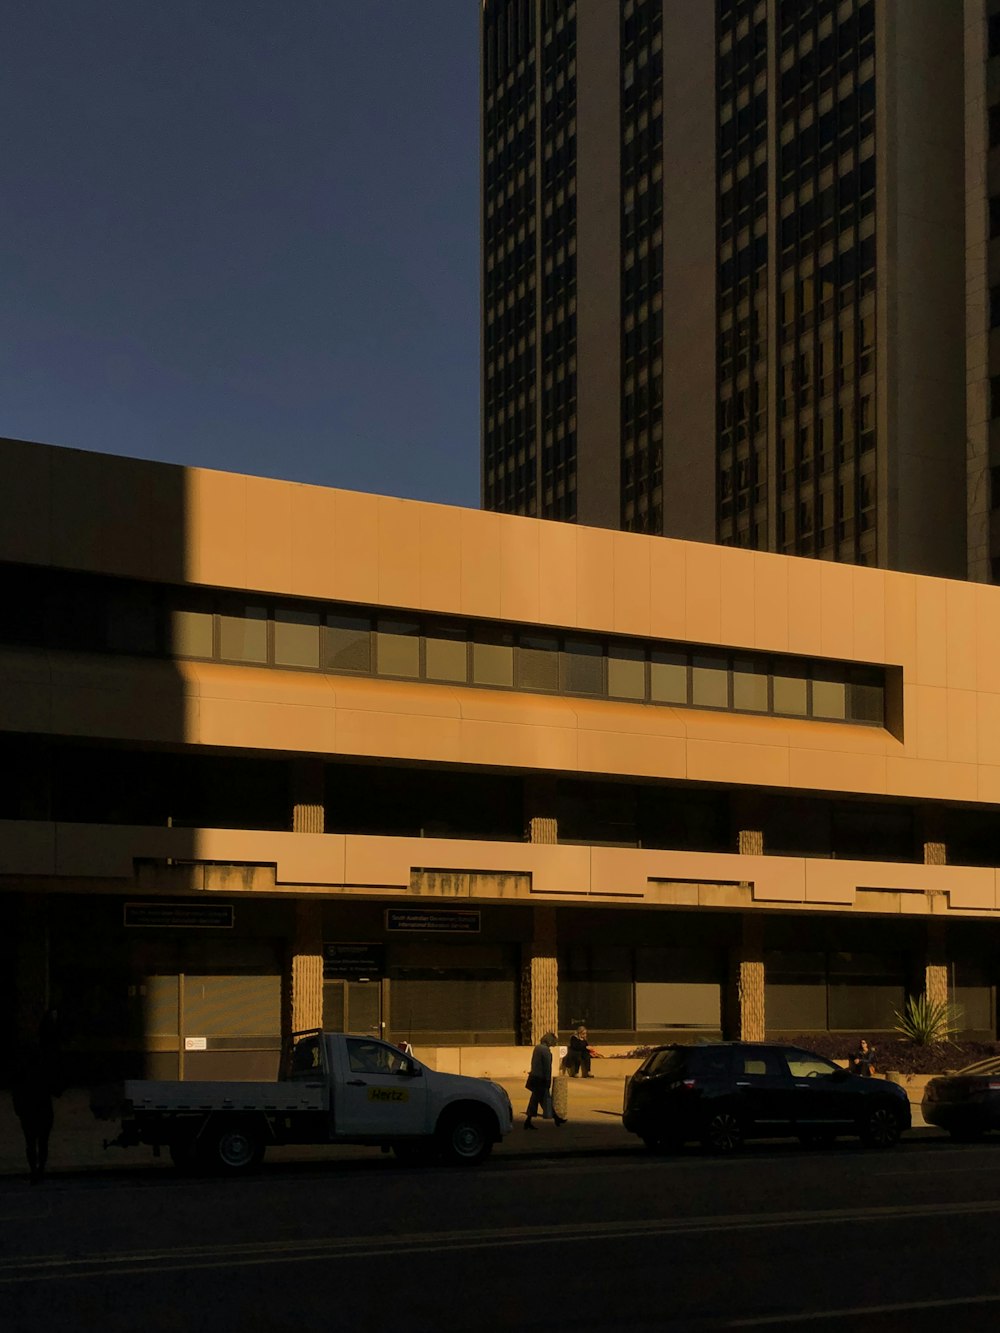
(243, 234)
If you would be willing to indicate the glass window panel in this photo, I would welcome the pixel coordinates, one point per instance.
(582, 667)
(132, 621)
(867, 1008)
(710, 681)
(191, 633)
(243, 635)
(796, 1006)
(790, 693)
(397, 647)
(975, 1003)
(348, 643)
(538, 662)
(493, 663)
(829, 696)
(865, 698)
(446, 655)
(749, 685)
(627, 672)
(668, 678)
(296, 637)
(688, 1004)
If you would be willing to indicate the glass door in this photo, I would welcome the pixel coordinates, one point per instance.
(353, 1006)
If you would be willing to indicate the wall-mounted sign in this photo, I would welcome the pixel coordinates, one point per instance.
(186, 916)
(446, 921)
(196, 1043)
(353, 962)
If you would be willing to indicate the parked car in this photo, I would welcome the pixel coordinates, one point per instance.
(967, 1103)
(725, 1093)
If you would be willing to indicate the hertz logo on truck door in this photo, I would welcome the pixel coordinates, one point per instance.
(388, 1094)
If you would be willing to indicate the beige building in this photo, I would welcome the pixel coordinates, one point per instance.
(275, 755)
(726, 249)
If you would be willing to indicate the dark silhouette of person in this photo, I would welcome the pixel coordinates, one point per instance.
(36, 1082)
(862, 1061)
(577, 1059)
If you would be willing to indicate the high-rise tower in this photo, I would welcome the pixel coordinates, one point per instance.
(725, 270)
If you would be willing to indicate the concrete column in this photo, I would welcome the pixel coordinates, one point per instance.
(745, 1019)
(542, 829)
(308, 812)
(540, 819)
(750, 842)
(540, 978)
(304, 977)
(936, 962)
(31, 969)
(935, 854)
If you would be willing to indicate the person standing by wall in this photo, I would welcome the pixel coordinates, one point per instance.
(36, 1080)
(578, 1056)
(539, 1082)
(863, 1060)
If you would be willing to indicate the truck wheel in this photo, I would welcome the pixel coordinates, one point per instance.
(232, 1148)
(464, 1138)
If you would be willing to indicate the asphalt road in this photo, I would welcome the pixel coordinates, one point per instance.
(776, 1238)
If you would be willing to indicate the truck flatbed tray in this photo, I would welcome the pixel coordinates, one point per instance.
(152, 1095)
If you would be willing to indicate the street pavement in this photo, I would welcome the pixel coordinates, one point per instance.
(539, 1238)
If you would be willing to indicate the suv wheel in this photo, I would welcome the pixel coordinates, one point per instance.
(721, 1131)
(880, 1128)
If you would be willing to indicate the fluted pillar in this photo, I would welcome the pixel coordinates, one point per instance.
(746, 1019)
(304, 988)
(540, 978)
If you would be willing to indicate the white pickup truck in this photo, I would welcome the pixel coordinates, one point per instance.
(334, 1088)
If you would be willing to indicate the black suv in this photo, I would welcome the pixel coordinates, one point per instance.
(722, 1094)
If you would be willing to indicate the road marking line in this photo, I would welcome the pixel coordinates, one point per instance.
(170, 1259)
(854, 1312)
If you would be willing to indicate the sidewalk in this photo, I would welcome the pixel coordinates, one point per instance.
(593, 1126)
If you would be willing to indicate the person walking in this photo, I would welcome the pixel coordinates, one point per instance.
(539, 1082)
(36, 1081)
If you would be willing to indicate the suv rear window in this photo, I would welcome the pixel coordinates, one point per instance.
(700, 1061)
(669, 1061)
(709, 1061)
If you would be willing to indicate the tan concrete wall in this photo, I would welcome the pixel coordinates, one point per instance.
(117, 858)
(271, 536)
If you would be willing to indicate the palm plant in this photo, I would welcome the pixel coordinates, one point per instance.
(926, 1022)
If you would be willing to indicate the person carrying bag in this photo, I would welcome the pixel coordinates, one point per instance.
(539, 1083)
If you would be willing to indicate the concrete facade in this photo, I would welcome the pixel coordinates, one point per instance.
(561, 913)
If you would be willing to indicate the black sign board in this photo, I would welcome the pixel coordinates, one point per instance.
(353, 962)
(187, 916)
(455, 921)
